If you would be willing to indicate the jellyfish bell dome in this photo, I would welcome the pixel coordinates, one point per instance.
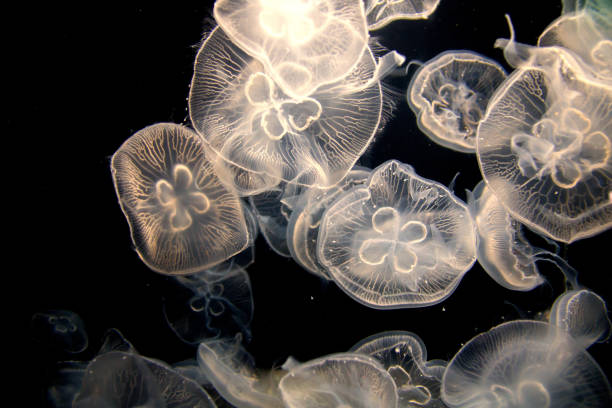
(380, 13)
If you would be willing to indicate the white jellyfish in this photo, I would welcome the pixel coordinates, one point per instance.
(397, 241)
(302, 43)
(544, 146)
(449, 94)
(182, 218)
(380, 13)
(524, 364)
(236, 106)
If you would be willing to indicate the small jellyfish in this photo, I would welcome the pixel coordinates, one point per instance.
(449, 94)
(231, 370)
(340, 380)
(545, 144)
(182, 218)
(120, 379)
(61, 329)
(266, 135)
(305, 220)
(398, 241)
(404, 356)
(524, 364)
(583, 314)
(302, 43)
(379, 13)
(210, 304)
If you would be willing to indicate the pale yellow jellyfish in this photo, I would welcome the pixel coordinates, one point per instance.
(302, 43)
(379, 13)
(182, 218)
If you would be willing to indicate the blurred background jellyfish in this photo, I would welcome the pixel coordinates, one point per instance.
(210, 304)
(339, 381)
(404, 356)
(231, 370)
(182, 218)
(524, 364)
(449, 95)
(303, 44)
(544, 145)
(250, 122)
(398, 241)
(583, 314)
(60, 329)
(379, 13)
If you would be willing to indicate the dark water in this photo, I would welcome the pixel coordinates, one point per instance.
(94, 76)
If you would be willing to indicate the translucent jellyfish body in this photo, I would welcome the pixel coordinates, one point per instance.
(449, 95)
(404, 356)
(503, 251)
(544, 146)
(339, 380)
(398, 241)
(251, 123)
(379, 13)
(303, 226)
(583, 314)
(303, 44)
(182, 218)
(524, 364)
(61, 329)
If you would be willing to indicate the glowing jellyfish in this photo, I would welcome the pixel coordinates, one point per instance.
(449, 94)
(544, 145)
(398, 241)
(339, 381)
(182, 218)
(404, 356)
(583, 314)
(524, 364)
(303, 43)
(61, 329)
(246, 118)
(210, 304)
(231, 370)
(305, 220)
(379, 13)
(120, 379)
(272, 216)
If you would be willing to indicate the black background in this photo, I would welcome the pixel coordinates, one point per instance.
(85, 79)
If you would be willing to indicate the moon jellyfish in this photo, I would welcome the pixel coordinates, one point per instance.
(544, 145)
(231, 370)
(61, 329)
(303, 44)
(379, 13)
(449, 95)
(524, 364)
(210, 304)
(339, 381)
(583, 314)
(272, 216)
(404, 356)
(119, 379)
(182, 218)
(305, 220)
(398, 241)
(248, 121)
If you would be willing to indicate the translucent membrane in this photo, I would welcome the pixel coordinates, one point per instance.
(380, 13)
(398, 241)
(61, 329)
(449, 94)
(182, 218)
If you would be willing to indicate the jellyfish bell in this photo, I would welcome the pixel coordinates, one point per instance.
(524, 364)
(397, 241)
(339, 380)
(251, 123)
(449, 94)
(182, 218)
(380, 13)
(404, 356)
(303, 44)
(61, 329)
(544, 146)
